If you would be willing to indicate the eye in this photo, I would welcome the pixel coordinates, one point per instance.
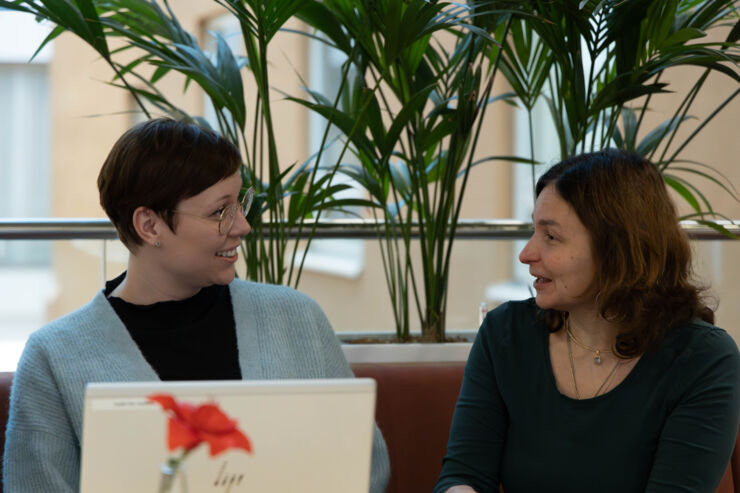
(549, 236)
(219, 211)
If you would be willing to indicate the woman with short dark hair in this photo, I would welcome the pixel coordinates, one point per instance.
(612, 379)
(174, 192)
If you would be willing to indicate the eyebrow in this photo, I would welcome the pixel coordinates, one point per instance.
(226, 196)
(547, 222)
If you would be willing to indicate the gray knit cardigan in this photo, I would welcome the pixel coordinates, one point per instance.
(281, 333)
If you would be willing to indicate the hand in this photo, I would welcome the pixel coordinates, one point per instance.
(461, 488)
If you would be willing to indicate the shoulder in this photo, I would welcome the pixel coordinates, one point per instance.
(283, 333)
(272, 293)
(270, 305)
(53, 353)
(510, 329)
(511, 320)
(515, 310)
(701, 340)
(59, 347)
(701, 354)
(70, 328)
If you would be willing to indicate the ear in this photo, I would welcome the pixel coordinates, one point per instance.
(148, 225)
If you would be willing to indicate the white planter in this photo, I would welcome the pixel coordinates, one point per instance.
(407, 353)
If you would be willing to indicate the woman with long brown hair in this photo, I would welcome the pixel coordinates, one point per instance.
(613, 377)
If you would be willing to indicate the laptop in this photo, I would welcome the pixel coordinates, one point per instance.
(306, 436)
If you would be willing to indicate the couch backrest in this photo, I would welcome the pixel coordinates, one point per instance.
(735, 465)
(5, 380)
(415, 403)
(414, 409)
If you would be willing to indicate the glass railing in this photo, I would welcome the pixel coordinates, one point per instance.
(78, 255)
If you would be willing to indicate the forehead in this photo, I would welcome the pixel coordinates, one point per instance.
(552, 209)
(227, 188)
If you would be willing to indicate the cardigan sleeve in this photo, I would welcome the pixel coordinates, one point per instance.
(285, 334)
(699, 433)
(41, 450)
(335, 366)
(479, 424)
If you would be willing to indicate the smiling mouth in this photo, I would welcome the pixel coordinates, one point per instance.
(226, 253)
(538, 281)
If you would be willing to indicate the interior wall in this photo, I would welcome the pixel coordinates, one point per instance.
(87, 119)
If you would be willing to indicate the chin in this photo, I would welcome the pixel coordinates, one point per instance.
(226, 282)
(545, 304)
(224, 278)
(541, 303)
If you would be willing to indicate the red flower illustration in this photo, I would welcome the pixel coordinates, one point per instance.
(190, 425)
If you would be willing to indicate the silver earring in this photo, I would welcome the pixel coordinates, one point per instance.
(157, 244)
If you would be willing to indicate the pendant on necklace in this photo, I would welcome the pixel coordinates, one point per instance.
(597, 357)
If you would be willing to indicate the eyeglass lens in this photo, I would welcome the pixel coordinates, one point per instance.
(229, 214)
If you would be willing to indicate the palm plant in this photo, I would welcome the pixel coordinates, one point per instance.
(599, 65)
(414, 90)
(286, 196)
(411, 118)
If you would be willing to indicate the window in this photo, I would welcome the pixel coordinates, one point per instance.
(344, 258)
(24, 133)
(340, 257)
(546, 151)
(28, 282)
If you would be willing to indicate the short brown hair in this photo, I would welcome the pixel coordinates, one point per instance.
(158, 163)
(642, 256)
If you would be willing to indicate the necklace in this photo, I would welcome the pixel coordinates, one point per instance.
(596, 351)
(603, 385)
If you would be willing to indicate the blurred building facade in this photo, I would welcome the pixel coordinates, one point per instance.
(83, 116)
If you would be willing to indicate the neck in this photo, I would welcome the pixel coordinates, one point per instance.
(593, 330)
(145, 283)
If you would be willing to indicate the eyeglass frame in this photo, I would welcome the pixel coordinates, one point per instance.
(229, 211)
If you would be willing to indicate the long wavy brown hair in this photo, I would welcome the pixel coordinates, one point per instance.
(643, 279)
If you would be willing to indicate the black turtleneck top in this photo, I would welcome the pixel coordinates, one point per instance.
(190, 339)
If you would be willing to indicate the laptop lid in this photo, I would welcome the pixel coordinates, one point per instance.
(305, 435)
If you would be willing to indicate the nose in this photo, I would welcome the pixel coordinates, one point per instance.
(241, 226)
(528, 253)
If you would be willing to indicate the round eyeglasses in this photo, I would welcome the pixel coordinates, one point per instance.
(228, 213)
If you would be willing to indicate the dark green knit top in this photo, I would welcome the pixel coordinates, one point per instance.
(669, 426)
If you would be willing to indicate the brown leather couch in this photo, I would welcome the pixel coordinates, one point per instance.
(414, 409)
(5, 380)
